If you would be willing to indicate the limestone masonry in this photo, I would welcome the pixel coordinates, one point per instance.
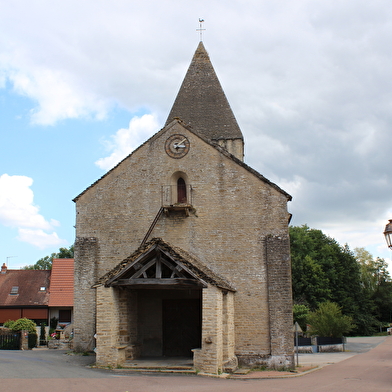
(182, 249)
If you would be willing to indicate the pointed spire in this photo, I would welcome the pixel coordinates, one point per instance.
(202, 104)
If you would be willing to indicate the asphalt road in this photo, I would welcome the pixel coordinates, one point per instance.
(52, 370)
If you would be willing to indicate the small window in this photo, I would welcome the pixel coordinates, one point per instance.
(14, 290)
(42, 288)
(181, 191)
(65, 316)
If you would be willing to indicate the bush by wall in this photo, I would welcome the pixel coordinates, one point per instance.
(21, 324)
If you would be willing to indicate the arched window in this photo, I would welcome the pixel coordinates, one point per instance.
(181, 191)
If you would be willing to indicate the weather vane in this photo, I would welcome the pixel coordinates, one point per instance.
(200, 29)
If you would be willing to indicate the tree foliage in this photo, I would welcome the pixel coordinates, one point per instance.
(376, 283)
(329, 321)
(323, 270)
(46, 262)
(300, 315)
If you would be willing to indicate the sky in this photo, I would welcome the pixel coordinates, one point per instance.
(83, 83)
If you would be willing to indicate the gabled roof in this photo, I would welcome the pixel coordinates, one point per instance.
(215, 145)
(159, 264)
(30, 288)
(62, 283)
(202, 108)
(202, 103)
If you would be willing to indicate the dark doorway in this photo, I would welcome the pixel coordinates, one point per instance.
(181, 326)
(181, 191)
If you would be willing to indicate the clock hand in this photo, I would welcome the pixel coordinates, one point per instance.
(179, 144)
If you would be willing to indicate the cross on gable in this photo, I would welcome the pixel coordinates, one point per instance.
(200, 29)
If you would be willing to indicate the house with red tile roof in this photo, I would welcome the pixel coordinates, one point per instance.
(24, 293)
(61, 295)
(38, 295)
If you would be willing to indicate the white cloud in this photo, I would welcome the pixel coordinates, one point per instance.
(309, 82)
(127, 139)
(17, 210)
(57, 95)
(361, 233)
(40, 239)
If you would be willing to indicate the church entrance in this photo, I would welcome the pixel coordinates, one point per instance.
(169, 322)
(181, 321)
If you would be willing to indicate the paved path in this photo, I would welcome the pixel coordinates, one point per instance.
(49, 371)
(353, 347)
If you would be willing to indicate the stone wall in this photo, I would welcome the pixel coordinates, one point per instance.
(280, 301)
(217, 352)
(209, 359)
(235, 211)
(110, 351)
(86, 254)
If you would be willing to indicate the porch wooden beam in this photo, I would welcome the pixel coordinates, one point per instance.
(158, 282)
(139, 259)
(142, 271)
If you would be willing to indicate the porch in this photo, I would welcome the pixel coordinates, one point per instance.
(157, 306)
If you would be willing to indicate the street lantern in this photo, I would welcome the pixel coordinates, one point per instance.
(388, 233)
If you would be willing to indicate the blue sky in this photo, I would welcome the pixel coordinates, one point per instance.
(84, 83)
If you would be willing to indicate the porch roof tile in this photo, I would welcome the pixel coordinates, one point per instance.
(177, 254)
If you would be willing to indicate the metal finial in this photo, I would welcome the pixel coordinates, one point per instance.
(200, 29)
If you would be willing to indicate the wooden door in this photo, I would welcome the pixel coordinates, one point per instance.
(181, 326)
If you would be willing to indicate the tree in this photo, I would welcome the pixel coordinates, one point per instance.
(42, 335)
(300, 314)
(323, 270)
(328, 321)
(311, 285)
(376, 282)
(46, 262)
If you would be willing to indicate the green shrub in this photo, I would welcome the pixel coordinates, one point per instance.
(328, 321)
(53, 323)
(21, 324)
(9, 324)
(42, 336)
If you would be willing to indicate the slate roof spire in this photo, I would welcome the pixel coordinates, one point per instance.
(202, 103)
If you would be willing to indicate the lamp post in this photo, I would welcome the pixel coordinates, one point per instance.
(388, 237)
(388, 233)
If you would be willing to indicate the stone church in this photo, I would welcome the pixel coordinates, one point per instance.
(182, 249)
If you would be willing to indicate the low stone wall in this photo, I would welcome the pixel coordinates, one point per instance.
(60, 344)
(329, 348)
(306, 349)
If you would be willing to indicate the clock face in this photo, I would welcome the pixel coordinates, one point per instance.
(177, 146)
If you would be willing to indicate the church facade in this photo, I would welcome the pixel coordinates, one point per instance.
(182, 249)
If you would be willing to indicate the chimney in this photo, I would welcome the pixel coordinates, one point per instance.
(3, 269)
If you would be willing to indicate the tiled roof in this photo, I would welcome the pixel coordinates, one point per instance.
(62, 283)
(27, 286)
(201, 107)
(202, 103)
(176, 254)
